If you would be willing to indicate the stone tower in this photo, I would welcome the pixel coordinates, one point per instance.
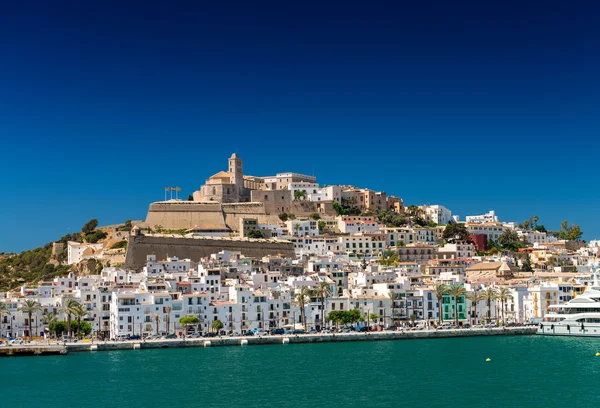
(237, 173)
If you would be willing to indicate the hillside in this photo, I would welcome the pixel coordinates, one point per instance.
(39, 264)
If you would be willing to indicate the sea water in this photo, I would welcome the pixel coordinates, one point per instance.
(524, 371)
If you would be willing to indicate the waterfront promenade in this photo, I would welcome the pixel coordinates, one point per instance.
(60, 348)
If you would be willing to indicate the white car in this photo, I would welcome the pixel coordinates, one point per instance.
(18, 340)
(260, 333)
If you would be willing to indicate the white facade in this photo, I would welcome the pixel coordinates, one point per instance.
(76, 252)
(487, 217)
(437, 213)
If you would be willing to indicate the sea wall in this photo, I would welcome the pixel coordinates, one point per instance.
(199, 247)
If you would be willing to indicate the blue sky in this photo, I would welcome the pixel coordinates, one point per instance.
(470, 105)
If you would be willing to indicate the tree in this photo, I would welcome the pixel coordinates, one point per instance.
(79, 312)
(456, 231)
(30, 307)
(526, 264)
(301, 297)
(187, 321)
(439, 291)
(283, 217)
(504, 296)
(475, 298)
(315, 216)
(217, 325)
(156, 318)
(255, 233)
(299, 194)
(393, 298)
(322, 225)
(4, 310)
(489, 295)
(569, 231)
(508, 237)
(373, 318)
(89, 226)
(322, 291)
(168, 316)
(81, 327)
(49, 317)
(57, 328)
(456, 291)
(413, 317)
(69, 306)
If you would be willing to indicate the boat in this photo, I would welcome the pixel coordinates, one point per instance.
(577, 317)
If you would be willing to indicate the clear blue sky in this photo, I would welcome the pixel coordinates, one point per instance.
(475, 106)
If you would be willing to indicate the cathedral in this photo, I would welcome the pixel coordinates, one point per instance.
(225, 186)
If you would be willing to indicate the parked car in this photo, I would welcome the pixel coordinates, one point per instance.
(194, 335)
(346, 330)
(209, 334)
(391, 328)
(364, 329)
(16, 341)
(466, 326)
(171, 336)
(296, 331)
(278, 331)
(134, 337)
(68, 339)
(261, 333)
(326, 331)
(478, 326)
(248, 333)
(491, 325)
(446, 326)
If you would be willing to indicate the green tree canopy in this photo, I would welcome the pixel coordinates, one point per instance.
(456, 231)
(217, 325)
(255, 233)
(89, 226)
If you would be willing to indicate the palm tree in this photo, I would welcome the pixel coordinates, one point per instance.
(393, 297)
(439, 291)
(489, 295)
(49, 318)
(79, 312)
(168, 317)
(301, 298)
(322, 291)
(69, 305)
(504, 295)
(30, 307)
(156, 319)
(456, 291)
(475, 298)
(3, 310)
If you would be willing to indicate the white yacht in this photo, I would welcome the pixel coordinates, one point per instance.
(578, 317)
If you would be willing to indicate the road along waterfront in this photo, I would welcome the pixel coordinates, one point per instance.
(59, 348)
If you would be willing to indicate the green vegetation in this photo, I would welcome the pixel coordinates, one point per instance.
(322, 225)
(217, 325)
(392, 219)
(30, 307)
(457, 231)
(345, 209)
(187, 321)
(569, 231)
(119, 245)
(159, 229)
(298, 194)
(283, 217)
(59, 328)
(315, 216)
(255, 233)
(345, 317)
(125, 227)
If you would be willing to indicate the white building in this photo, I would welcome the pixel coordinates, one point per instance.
(437, 213)
(76, 252)
(487, 217)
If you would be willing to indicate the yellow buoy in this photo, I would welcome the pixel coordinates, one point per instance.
(487, 360)
(597, 354)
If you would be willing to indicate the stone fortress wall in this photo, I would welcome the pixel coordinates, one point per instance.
(195, 248)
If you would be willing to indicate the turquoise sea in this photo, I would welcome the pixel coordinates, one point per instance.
(525, 371)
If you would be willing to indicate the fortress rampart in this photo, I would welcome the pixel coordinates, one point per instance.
(195, 248)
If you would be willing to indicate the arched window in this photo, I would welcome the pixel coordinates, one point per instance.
(214, 191)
